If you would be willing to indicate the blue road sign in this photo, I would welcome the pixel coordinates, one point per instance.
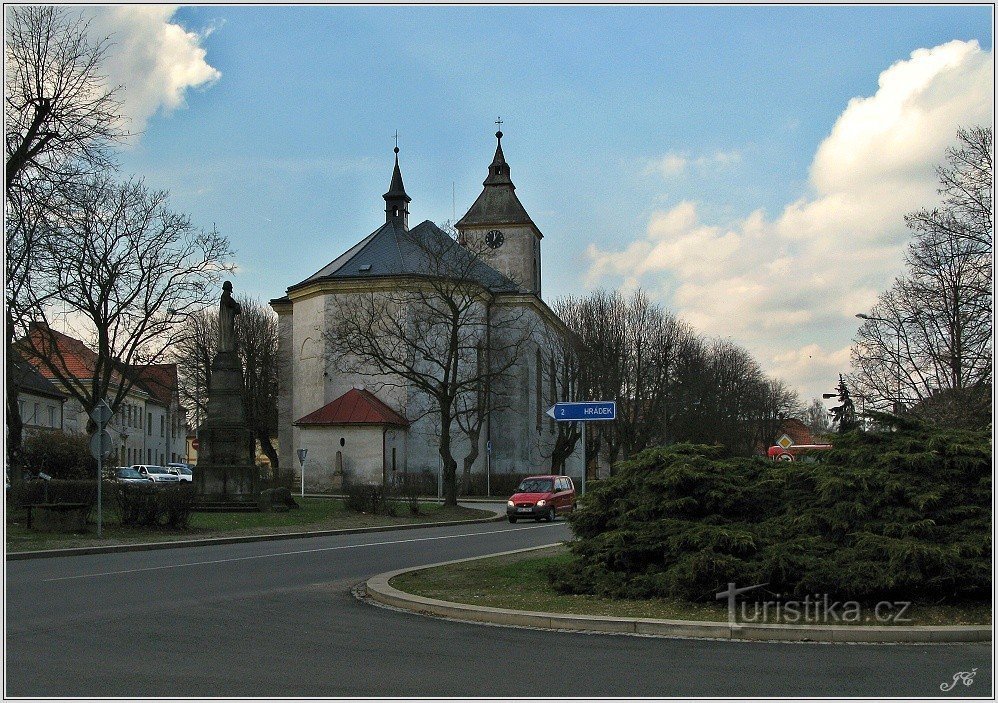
(590, 410)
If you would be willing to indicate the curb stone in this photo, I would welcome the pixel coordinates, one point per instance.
(379, 589)
(149, 546)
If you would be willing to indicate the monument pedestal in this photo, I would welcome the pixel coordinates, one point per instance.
(226, 471)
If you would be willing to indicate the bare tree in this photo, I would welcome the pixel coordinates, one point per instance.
(426, 338)
(815, 416)
(256, 345)
(59, 112)
(193, 353)
(60, 123)
(31, 276)
(127, 266)
(931, 333)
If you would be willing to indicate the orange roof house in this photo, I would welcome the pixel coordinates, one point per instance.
(355, 407)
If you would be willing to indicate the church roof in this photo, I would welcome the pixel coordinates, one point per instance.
(497, 204)
(396, 189)
(355, 407)
(424, 250)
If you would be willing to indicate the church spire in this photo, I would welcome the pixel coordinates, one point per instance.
(396, 200)
(498, 169)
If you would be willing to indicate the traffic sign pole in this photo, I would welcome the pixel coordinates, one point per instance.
(99, 445)
(583, 412)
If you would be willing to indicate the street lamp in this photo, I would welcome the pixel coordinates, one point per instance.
(897, 337)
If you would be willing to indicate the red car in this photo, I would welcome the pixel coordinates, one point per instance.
(541, 497)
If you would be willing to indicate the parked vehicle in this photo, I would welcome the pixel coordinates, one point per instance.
(181, 471)
(541, 497)
(130, 475)
(159, 474)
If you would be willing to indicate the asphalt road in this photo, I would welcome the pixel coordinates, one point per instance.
(277, 619)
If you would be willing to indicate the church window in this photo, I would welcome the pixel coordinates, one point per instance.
(537, 388)
(343, 441)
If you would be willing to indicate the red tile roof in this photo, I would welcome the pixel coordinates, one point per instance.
(160, 380)
(79, 361)
(797, 431)
(355, 407)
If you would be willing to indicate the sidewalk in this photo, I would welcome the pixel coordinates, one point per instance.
(148, 546)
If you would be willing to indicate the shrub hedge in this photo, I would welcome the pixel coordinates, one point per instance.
(897, 514)
(147, 505)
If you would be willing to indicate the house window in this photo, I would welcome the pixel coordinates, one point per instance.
(34, 418)
(162, 426)
(51, 416)
(149, 428)
(149, 455)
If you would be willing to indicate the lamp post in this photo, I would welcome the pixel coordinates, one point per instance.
(897, 337)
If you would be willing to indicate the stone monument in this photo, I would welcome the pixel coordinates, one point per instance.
(226, 471)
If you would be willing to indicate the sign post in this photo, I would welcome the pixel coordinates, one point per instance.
(301, 460)
(100, 448)
(488, 468)
(586, 411)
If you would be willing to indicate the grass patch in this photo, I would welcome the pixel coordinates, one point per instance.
(519, 582)
(314, 514)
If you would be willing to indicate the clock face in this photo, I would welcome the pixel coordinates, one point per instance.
(494, 238)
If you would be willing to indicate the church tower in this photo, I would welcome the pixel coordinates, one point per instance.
(497, 228)
(396, 200)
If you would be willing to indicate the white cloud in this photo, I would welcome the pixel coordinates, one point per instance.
(157, 61)
(674, 164)
(788, 287)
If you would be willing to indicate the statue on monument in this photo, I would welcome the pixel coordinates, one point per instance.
(228, 308)
(227, 472)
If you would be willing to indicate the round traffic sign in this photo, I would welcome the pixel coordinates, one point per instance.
(195, 444)
(101, 444)
(786, 457)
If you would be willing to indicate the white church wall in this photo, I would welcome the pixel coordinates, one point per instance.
(286, 434)
(339, 376)
(360, 448)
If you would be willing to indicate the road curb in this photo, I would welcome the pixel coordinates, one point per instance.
(379, 589)
(149, 546)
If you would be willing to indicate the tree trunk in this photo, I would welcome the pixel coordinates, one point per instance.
(470, 459)
(268, 448)
(450, 465)
(15, 426)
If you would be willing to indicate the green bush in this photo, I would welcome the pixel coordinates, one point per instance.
(147, 505)
(374, 500)
(59, 454)
(903, 513)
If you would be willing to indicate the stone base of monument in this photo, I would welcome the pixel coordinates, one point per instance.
(226, 476)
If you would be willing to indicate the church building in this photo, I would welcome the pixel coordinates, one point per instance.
(362, 422)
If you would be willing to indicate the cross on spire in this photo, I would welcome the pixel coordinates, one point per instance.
(396, 141)
(499, 122)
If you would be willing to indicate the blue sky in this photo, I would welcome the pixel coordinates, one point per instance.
(616, 120)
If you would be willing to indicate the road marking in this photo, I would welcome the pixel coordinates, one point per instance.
(286, 554)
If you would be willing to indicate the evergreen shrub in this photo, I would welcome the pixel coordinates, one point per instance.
(903, 514)
(147, 505)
